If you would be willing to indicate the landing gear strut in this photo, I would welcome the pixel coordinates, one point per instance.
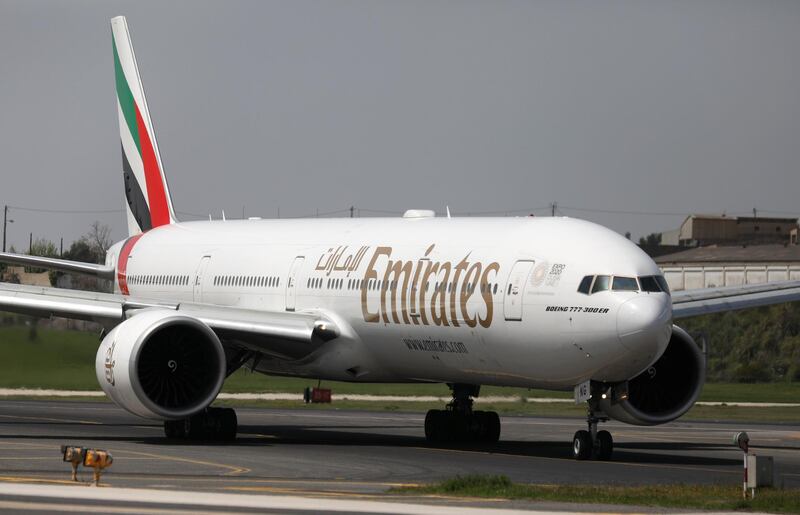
(593, 444)
(209, 424)
(459, 423)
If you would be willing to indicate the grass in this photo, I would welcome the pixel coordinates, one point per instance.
(65, 360)
(704, 497)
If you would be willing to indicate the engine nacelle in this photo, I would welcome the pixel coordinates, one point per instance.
(663, 392)
(161, 365)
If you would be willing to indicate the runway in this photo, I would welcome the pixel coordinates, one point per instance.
(360, 454)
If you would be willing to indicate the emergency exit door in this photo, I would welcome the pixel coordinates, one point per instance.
(515, 289)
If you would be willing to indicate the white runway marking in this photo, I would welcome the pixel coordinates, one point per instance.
(215, 500)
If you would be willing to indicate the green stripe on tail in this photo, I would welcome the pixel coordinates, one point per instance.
(126, 99)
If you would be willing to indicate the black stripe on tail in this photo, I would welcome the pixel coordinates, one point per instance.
(135, 197)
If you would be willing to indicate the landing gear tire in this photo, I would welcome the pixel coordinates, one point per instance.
(593, 444)
(582, 445)
(459, 423)
(603, 446)
(488, 423)
(211, 424)
(434, 425)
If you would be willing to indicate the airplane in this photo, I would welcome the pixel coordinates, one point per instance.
(539, 302)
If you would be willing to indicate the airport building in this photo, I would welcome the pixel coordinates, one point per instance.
(713, 266)
(701, 230)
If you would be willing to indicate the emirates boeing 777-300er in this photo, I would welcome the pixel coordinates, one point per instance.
(554, 303)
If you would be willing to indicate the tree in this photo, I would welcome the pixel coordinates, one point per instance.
(100, 238)
(82, 250)
(652, 240)
(45, 248)
(92, 246)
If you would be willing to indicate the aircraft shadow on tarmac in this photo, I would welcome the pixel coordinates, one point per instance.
(667, 453)
(684, 453)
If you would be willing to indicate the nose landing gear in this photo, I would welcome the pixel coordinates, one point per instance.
(459, 423)
(593, 444)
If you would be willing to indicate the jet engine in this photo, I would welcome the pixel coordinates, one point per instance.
(663, 392)
(161, 365)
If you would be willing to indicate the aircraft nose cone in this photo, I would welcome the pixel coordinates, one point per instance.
(644, 323)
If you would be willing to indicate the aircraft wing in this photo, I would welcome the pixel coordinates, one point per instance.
(688, 303)
(283, 334)
(62, 265)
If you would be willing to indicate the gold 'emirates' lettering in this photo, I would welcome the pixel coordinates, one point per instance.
(405, 284)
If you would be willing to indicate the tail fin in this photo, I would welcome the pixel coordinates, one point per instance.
(146, 190)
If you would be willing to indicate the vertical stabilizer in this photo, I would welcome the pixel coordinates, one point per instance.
(146, 190)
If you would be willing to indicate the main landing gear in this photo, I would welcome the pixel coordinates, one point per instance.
(459, 423)
(209, 424)
(593, 444)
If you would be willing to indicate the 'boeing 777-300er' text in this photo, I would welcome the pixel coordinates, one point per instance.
(553, 303)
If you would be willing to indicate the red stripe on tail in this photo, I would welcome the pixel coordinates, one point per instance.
(156, 193)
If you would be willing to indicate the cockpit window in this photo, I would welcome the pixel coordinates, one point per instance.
(586, 284)
(663, 283)
(625, 284)
(601, 283)
(649, 284)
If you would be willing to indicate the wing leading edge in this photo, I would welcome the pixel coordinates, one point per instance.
(62, 265)
(688, 303)
(288, 335)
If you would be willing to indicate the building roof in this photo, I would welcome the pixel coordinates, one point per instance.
(734, 254)
(748, 219)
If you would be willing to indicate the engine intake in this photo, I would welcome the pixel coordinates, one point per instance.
(666, 390)
(160, 364)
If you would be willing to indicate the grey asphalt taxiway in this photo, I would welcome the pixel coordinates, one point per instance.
(338, 453)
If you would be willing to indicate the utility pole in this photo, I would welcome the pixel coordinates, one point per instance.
(30, 245)
(5, 224)
(351, 211)
(553, 207)
(61, 254)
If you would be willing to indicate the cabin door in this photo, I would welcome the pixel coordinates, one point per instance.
(515, 289)
(199, 278)
(291, 283)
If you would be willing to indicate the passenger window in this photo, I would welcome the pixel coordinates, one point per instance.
(601, 283)
(625, 284)
(586, 284)
(649, 284)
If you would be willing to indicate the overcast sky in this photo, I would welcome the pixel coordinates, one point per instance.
(491, 106)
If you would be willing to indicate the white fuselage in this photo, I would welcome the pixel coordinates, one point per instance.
(463, 300)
